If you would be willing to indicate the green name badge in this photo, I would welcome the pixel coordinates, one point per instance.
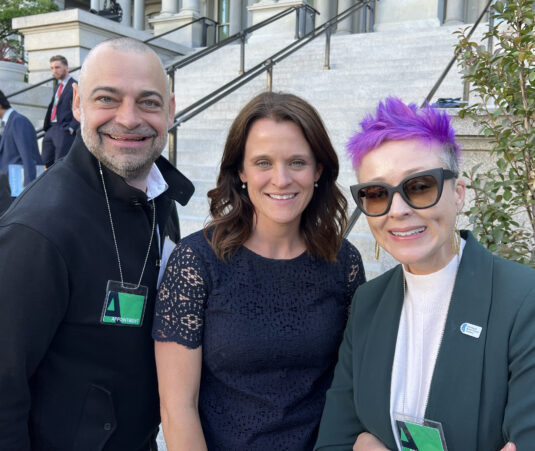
(417, 434)
(124, 304)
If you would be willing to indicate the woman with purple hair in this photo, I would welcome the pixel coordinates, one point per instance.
(439, 352)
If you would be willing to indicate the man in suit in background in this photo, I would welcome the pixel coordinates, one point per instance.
(18, 144)
(60, 125)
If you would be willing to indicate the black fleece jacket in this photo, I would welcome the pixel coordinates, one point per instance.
(67, 381)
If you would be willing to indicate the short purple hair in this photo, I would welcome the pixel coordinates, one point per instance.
(395, 121)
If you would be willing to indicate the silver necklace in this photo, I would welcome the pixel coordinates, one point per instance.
(115, 239)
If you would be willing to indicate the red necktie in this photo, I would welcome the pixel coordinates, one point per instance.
(56, 100)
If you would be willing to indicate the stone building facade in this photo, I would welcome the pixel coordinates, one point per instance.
(235, 15)
(73, 31)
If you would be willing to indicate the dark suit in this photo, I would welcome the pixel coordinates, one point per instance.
(18, 145)
(5, 193)
(482, 388)
(58, 139)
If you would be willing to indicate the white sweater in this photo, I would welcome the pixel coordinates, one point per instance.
(421, 326)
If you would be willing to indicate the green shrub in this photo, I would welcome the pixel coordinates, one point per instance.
(11, 46)
(503, 82)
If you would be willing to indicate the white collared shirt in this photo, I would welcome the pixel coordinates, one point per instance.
(156, 185)
(6, 115)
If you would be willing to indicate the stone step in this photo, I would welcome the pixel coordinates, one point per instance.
(338, 81)
(189, 224)
(197, 172)
(227, 60)
(395, 42)
(227, 70)
(198, 206)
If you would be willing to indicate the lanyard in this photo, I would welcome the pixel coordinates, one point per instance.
(115, 239)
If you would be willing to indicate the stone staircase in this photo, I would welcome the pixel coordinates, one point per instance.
(364, 69)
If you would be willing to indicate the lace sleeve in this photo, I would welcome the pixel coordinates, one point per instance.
(179, 311)
(355, 273)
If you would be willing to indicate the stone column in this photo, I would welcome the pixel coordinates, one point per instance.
(190, 36)
(282, 29)
(248, 15)
(169, 7)
(139, 14)
(95, 4)
(397, 15)
(345, 27)
(324, 9)
(235, 15)
(191, 6)
(454, 12)
(126, 6)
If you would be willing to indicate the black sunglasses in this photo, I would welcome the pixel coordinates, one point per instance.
(420, 190)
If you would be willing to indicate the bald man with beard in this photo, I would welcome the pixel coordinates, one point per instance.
(80, 258)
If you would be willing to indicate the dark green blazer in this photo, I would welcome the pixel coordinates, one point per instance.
(482, 390)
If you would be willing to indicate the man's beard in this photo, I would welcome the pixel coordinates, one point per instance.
(131, 168)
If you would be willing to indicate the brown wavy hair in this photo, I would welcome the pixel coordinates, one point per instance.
(324, 219)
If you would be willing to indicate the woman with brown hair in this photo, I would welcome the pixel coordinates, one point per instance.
(251, 309)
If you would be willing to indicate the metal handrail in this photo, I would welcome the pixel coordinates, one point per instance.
(48, 80)
(226, 89)
(455, 56)
(341, 17)
(171, 67)
(200, 19)
(310, 8)
(300, 31)
(352, 221)
(208, 100)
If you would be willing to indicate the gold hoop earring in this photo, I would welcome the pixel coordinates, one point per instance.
(456, 241)
(377, 250)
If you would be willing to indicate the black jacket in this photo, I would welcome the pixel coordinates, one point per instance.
(68, 382)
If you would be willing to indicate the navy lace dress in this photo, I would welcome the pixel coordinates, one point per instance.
(269, 331)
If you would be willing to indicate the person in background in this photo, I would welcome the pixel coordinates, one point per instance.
(18, 141)
(439, 351)
(80, 256)
(251, 309)
(60, 125)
